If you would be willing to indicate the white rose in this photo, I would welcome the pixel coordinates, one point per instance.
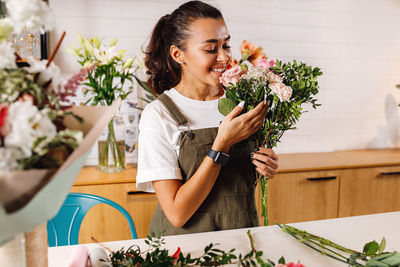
(7, 58)
(282, 91)
(25, 124)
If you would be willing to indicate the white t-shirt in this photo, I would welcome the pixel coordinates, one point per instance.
(159, 136)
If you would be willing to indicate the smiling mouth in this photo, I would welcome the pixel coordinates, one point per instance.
(219, 70)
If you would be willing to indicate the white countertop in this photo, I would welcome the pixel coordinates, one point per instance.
(351, 232)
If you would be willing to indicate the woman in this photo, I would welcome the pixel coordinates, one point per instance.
(197, 161)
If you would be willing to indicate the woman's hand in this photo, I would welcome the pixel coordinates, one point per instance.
(266, 161)
(234, 128)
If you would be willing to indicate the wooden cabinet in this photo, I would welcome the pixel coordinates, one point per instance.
(369, 190)
(303, 196)
(313, 186)
(309, 186)
(104, 222)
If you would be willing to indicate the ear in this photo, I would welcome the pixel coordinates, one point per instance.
(177, 54)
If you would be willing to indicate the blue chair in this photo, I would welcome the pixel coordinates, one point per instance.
(63, 229)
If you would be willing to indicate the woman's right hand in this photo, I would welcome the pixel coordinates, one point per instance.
(234, 128)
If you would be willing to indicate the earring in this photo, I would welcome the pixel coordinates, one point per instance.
(181, 62)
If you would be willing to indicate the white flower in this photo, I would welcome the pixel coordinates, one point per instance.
(139, 60)
(5, 29)
(25, 124)
(7, 58)
(103, 55)
(35, 15)
(258, 73)
(9, 157)
(52, 72)
(282, 91)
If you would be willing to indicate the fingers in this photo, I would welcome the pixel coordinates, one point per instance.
(236, 111)
(266, 161)
(260, 109)
(267, 151)
(264, 170)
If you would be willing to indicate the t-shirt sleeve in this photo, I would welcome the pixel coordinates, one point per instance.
(157, 158)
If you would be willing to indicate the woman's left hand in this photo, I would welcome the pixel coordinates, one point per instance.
(266, 161)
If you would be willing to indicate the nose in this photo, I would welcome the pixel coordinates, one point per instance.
(223, 56)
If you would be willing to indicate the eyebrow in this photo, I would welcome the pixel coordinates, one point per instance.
(216, 40)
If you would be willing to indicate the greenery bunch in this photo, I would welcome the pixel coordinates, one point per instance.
(373, 254)
(212, 256)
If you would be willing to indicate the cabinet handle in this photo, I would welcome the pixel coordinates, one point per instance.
(137, 192)
(390, 173)
(321, 178)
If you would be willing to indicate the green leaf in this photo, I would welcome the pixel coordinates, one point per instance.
(282, 260)
(371, 248)
(382, 245)
(374, 263)
(392, 260)
(225, 106)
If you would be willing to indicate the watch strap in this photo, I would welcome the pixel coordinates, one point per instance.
(219, 157)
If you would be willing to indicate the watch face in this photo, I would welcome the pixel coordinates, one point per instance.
(222, 158)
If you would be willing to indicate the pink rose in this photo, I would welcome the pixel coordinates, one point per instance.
(231, 76)
(282, 91)
(291, 264)
(274, 78)
(265, 63)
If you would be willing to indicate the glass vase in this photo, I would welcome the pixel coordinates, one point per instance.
(111, 151)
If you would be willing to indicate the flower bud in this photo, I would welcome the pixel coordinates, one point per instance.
(113, 42)
(127, 64)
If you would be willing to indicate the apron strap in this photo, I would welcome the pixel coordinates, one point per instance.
(172, 109)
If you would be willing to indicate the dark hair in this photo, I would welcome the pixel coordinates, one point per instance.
(172, 29)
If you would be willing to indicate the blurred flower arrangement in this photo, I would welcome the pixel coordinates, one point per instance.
(33, 100)
(107, 72)
(284, 86)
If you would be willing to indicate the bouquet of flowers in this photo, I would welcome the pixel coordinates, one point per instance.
(284, 86)
(33, 100)
(107, 73)
(43, 139)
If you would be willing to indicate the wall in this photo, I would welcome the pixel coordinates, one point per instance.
(355, 42)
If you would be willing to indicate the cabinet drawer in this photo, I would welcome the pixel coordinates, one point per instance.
(107, 224)
(369, 190)
(302, 196)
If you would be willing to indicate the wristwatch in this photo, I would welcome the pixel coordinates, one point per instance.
(219, 157)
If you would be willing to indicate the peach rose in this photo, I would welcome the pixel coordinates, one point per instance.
(231, 76)
(282, 91)
(274, 78)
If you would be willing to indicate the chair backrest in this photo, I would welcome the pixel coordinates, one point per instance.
(63, 229)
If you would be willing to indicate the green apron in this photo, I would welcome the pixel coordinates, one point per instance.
(231, 202)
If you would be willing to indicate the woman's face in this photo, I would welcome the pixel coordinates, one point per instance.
(207, 52)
